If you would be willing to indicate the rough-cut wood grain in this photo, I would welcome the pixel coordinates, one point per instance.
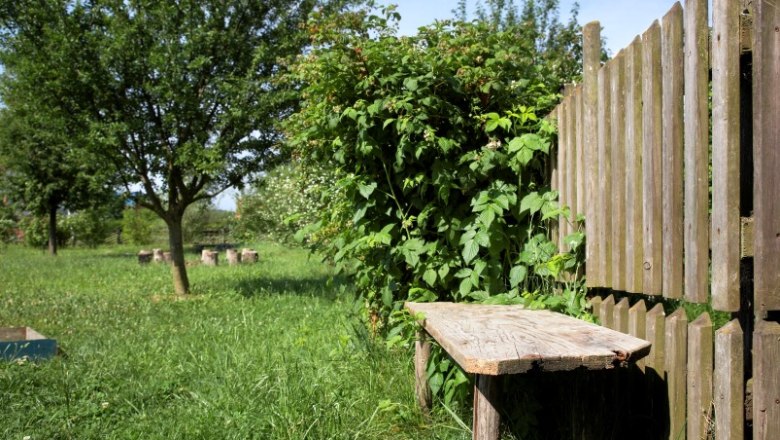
(594, 216)
(725, 154)
(554, 175)
(675, 369)
(696, 151)
(209, 257)
(562, 171)
(579, 151)
(652, 145)
(634, 241)
(672, 151)
(249, 256)
(495, 340)
(487, 418)
(747, 237)
(232, 256)
(571, 161)
(621, 316)
(700, 363)
(595, 306)
(729, 378)
(617, 117)
(766, 138)
(607, 312)
(655, 331)
(766, 381)
(637, 318)
(602, 194)
(422, 353)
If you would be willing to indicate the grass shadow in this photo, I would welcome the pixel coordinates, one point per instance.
(323, 287)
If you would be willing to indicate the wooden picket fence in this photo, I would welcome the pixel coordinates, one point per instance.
(681, 196)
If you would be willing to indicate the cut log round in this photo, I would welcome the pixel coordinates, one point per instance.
(144, 257)
(157, 255)
(249, 256)
(209, 257)
(233, 257)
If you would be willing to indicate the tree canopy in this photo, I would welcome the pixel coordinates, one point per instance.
(179, 98)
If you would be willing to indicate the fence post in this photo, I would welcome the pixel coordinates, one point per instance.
(729, 373)
(672, 161)
(696, 151)
(591, 54)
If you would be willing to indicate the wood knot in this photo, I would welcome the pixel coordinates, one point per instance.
(647, 265)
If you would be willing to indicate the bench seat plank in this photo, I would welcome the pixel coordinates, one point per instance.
(500, 339)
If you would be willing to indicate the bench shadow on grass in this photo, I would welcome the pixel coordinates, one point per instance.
(262, 286)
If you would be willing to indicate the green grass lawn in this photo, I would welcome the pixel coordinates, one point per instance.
(266, 351)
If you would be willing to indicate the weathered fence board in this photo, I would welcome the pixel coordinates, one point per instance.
(617, 117)
(579, 151)
(591, 51)
(729, 381)
(603, 191)
(634, 242)
(766, 137)
(655, 331)
(700, 361)
(561, 170)
(651, 160)
(696, 151)
(607, 312)
(766, 381)
(725, 155)
(621, 316)
(672, 151)
(675, 371)
(637, 318)
(571, 161)
(555, 178)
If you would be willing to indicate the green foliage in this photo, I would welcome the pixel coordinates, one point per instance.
(203, 219)
(90, 227)
(558, 45)
(444, 163)
(177, 98)
(444, 160)
(284, 201)
(139, 226)
(35, 230)
(8, 222)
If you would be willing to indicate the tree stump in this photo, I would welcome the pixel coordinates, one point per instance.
(144, 257)
(249, 256)
(233, 257)
(209, 258)
(157, 255)
(167, 257)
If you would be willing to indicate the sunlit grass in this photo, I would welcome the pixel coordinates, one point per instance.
(266, 351)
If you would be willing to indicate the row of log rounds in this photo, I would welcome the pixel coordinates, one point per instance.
(208, 257)
(703, 369)
(211, 258)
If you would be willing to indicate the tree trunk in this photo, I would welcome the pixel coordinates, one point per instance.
(181, 283)
(53, 230)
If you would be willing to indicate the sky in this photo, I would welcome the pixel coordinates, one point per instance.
(621, 21)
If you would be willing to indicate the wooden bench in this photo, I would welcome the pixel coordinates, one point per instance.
(492, 340)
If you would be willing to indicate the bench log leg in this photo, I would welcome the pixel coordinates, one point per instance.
(486, 416)
(422, 352)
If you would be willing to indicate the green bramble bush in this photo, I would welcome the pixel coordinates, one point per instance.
(444, 171)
